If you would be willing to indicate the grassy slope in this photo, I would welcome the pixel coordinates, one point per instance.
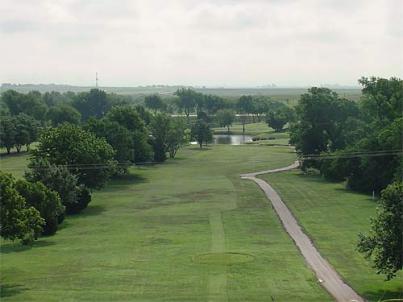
(138, 238)
(333, 217)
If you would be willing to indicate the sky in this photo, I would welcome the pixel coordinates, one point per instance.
(234, 43)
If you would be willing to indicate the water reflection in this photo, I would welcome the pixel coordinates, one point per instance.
(231, 139)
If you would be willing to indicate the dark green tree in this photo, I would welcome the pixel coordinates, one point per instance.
(18, 220)
(59, 179)
(8, 132)
(154, 102)
(47, 202)
(202, 133)
(94, 103)
(129, 118)
(384, 244)
(63, 114)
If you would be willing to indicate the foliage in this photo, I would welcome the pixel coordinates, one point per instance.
(384, 244)
(321, 121)
(176, 136)
(94, 103)
(47, 202)
(18, 220)
(277, 119)
(63, 114)
(225, 118)
(159, 129)
(130, 119)
(187, 100)
(118, 137)
(30, 103)
(202, 133)
(154, 102)
(60, 180)
(8, 132)
(87, 156)
(17, 131)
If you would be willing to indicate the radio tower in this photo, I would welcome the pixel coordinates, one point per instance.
(96, 79)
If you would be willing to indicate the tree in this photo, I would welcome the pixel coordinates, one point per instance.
(59, 179)
(7, 133)
(225, 118)
(87, 156)
(321, 116)
(212, 103)
(187, 100)
(18, 220)
(30, 104)
(384, 244)
(382, 98)
(47, 202)
(129, 118)
(244, 107)
(160, 125)
(64, 114)
(154, 102)
(118, 137)
(201, 132)
(277, 119)
(27, 129)
(176, 136)
(94, 103)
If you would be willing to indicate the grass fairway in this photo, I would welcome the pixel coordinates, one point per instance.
(186, 230)
(333, 217)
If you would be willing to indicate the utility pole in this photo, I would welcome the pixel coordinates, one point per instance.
(96, 79)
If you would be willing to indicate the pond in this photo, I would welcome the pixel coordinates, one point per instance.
(231, 139)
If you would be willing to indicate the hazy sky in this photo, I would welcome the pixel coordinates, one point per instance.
(200, 42)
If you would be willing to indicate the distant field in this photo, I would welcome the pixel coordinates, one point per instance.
(287, 95)
(333, 217)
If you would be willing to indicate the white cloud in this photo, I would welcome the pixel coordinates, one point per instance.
(227, 42)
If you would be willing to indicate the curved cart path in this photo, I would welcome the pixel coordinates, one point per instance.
(326, 274)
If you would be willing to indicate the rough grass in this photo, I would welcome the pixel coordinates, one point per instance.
(333, 217)
(137, 239)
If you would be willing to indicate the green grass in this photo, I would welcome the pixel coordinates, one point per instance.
(186, 230)
(333, 217)
(15, 163)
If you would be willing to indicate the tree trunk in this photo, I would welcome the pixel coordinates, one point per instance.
(228, 129)
(243, 127)
(8, 150)
(18, 147)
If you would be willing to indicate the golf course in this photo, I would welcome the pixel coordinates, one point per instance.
(192, 230)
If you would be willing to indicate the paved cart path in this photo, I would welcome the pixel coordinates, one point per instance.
(326, 274)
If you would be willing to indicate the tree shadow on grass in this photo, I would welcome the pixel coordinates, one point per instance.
(382, 295)
(128, 179)
(92, 211)
(198, 148)
(16, 247)
(9, 290)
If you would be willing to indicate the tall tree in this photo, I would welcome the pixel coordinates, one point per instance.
(8, 132)
(160, 126)
(201, 132)
(129, 118)
(384, 244)
(225, 118)
(187, 100)
(94, 103)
